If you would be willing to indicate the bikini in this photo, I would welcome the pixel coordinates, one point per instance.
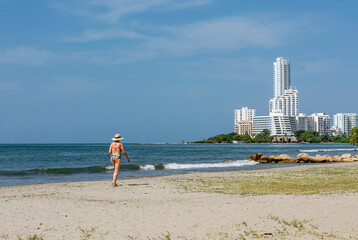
(115, 157)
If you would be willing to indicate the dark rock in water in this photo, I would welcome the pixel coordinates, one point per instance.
(287, 159)
(347, 155)
(303, 158)
(337, 158)
(253, 157)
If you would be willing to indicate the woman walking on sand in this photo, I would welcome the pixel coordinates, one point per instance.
(115, 150)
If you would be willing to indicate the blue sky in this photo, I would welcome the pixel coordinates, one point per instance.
(164, 70)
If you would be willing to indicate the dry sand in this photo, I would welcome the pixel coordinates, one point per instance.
(152, 206)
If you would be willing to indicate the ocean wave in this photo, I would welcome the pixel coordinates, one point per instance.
(330, 150)
(158, 166)
(67, 171)
(124, 167)
(178, 166)
(64, 171)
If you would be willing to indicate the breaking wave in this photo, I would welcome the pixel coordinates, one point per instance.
(177, 166)
(330, 150)
(127, 167)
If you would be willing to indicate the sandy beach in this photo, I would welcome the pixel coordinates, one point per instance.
(156, 208)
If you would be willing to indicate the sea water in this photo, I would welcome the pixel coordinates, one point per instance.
(45, 163)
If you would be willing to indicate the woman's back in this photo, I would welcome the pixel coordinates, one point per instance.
(116, 147)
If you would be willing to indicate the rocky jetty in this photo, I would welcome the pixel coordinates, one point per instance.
(303, 158)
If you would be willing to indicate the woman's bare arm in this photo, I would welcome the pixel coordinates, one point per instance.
(124, 152)
(110, 149)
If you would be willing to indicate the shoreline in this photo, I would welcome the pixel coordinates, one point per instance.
(266, 167)
(263, 168)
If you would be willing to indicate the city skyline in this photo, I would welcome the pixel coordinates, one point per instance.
(163, 71)
(284, 118)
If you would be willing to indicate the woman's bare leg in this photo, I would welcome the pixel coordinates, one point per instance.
(117, 165)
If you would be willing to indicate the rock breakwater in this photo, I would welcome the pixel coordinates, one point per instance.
(303, 158)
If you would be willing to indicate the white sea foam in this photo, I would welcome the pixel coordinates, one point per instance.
(147, 167)
(109, 167)
(175, 166)
(329, 150)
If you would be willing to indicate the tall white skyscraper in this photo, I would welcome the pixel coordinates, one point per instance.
(345, 121)
(285, 98)
(281, 76)
(286, 103)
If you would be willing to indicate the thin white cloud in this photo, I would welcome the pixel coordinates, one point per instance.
(92, 35)
(206, 37)
(212, 38)
(226, 34)
(112, 57)
(185, 4)
(25, 56)
(113, 10)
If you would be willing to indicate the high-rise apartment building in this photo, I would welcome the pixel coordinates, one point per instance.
(319, 122)
(244, 114)
(243, 120)
(285, 98)
(281, 76)
(286, 103)
(345, 121)
(302, 123)
(277, 123)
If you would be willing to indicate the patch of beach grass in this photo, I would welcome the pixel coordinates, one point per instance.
(321, 180)
(33, 237)
(166, 236)
(91, 233)
(278, 229)
(4, 236)
(87, 233)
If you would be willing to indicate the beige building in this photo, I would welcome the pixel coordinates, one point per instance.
(243, 128)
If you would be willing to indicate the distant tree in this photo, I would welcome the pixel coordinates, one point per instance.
(353, 136)
(237, 137)
(266, 133)
(313, 137)
(246, 138)
(258, 138)
(299, 135)
(230, 137)
(325, 138)
(263, 136)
